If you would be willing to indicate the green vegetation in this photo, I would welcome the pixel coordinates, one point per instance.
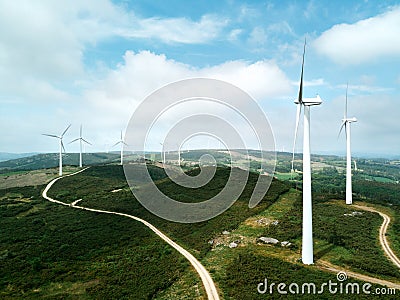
(95, 185)
(53, 251)
(249, 268)
(64, 252)
(58, 252)
(50, 160)
(348, 241)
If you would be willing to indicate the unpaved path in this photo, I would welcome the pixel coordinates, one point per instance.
(382, 234)
(208, 283)
(385, 246)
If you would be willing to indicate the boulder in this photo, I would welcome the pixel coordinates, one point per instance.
(233, 245)
(267, 240)
(286, 244)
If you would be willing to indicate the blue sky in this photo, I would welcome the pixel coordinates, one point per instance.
(93, 62)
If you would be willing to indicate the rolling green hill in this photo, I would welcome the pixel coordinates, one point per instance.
(56, 252)
(50, 160)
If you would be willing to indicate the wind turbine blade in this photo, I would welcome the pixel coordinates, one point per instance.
(86, 141)
(295, 132)
(51, 135)
(300, 98)
(62, 145)
(125, 144)
(80, 132)
(66, 130)
(121, 136)
(116, 144)
(74, 141)
(341, 128)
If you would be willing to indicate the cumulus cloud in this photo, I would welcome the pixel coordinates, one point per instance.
(113, 99)
(47, 39)
(364, 41)
(176, 30)
(116, 96)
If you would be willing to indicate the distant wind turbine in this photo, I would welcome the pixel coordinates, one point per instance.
(346, 123)
(307, 242)
(163, 153)
(122, 142)
(80, 139)
(61, 146)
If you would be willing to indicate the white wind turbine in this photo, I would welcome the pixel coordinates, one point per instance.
(122, 142)
(61, 146)
(80, 139)
(346, 123)
(307, 242)
(163, 153)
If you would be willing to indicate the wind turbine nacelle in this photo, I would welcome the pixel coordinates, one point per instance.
(350, 120)
(310, 101)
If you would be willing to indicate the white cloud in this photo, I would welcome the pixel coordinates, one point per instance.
(144, 72)
(234, 34)
(46, 40)
(364, 41)
(176, 30)
(262, 79)
(112, 101)
(258, 37)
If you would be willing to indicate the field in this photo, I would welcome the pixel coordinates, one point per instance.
(53, 251)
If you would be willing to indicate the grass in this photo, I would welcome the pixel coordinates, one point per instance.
(58, 252)
(286, 176)
(52, 251)
(61, 251)
(29, 178)
(237, 271)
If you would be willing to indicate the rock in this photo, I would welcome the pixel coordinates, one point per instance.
(262, 221)
(354, 213)
(275, 223)
(225, 232)
(233, 245)
(286, 244)
(267, 240)
(211, 242)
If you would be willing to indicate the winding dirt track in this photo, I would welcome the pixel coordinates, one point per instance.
(382, 234)
(208, 283)
(386, 248)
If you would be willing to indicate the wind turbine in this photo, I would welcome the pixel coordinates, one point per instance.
(122, 142)
(80, 139)
(163, 153)
(346, 123)
(61, 146)
(307, 242)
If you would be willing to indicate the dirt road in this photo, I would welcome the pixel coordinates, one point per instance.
(208, 283)
(382, 234)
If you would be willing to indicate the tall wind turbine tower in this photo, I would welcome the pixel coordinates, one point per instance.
(61, 146)
(307, 242)
(122, 142)
(80, 139)
(346, 123)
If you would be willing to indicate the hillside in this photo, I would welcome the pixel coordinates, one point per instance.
(86, 253)
(51, 160)
(8, 156)
(54, 251)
